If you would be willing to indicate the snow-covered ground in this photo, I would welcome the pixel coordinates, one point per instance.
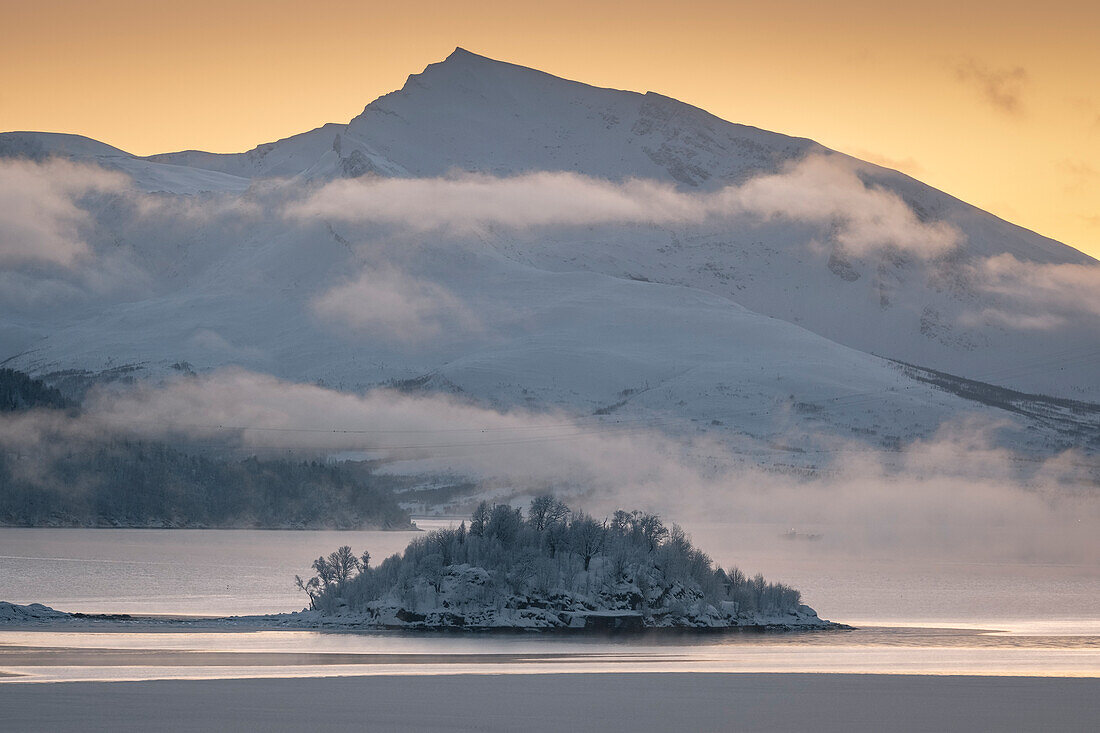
(985, 305)
(611, 264)
(36, 615)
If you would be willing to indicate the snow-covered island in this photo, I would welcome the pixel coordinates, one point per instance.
(554, 569)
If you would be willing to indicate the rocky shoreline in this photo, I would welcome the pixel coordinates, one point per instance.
(36, 615)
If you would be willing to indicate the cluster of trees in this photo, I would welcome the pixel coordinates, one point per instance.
(331, 571)
(96, 482)
(142, 484)
(631, 560)
(20, 392)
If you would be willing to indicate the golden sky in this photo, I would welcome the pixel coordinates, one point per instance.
(997, 103)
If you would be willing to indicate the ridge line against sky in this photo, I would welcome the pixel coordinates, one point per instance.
(995, 104)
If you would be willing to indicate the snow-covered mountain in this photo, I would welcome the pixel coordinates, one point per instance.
(707, 274)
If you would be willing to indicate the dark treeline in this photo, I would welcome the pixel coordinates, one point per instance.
(62, 480)
(139, 484)
(20, 392)
(553, 557)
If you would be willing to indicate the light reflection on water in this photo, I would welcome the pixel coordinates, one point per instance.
(57, 656)
(926, 618)
(223, 572)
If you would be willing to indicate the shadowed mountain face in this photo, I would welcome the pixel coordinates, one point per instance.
(684, 265)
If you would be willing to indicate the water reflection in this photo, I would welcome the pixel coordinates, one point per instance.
(57, 656)
(950, 618)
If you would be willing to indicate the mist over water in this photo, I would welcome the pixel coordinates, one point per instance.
(221, 572)
(956, 496)
(930, 618)
(947, 527)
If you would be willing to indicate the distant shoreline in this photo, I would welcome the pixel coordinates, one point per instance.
(31, 617)
(274, 528)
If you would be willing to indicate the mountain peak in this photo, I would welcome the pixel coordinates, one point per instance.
(460, 54)
(463, 62)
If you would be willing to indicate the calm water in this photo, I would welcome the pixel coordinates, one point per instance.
(180, 571)
(1045, 618)
(48, 656)
(220, 572)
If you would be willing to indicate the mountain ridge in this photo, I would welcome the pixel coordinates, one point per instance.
(471, 114)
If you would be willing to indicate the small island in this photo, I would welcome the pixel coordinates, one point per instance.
(553, 569)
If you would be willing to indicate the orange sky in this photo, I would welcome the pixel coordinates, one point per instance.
(997, 103)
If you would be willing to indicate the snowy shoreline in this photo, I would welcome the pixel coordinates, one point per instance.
(37, 616)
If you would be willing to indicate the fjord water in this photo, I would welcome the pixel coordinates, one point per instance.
(914, 617)
(224, 572)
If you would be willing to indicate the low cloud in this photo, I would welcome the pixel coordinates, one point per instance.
(385, 302)
(1009, 318)
(1034, 296)
(823, 191)
(473, 203)
(1001, 88)
(954, 495)
(72, 233)
(40, 220)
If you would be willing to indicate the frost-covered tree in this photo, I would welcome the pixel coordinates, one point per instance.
(504, 524)
(332, 571)
(549, 565)
(587, 537)
(311, 588)
(479, 519)
(546, 511)
(343, 563)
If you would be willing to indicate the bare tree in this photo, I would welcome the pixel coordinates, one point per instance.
(343, 563)
(504, 523)
(650, 527)
(431, 568)
(587, 537)
(310, 587)
(331, 571)
(479, 519)
(325, 571)
(545, 511)
(620, 521)
(556, 537)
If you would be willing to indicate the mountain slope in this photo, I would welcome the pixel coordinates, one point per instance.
(471, 113)
(758, 326)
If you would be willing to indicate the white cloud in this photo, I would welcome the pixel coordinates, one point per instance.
(1011, 319)
(826, 191)
(819, 190)
(387, 303)
(471, 203)
(40, 221)
(953, 495)
(1035, 296)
